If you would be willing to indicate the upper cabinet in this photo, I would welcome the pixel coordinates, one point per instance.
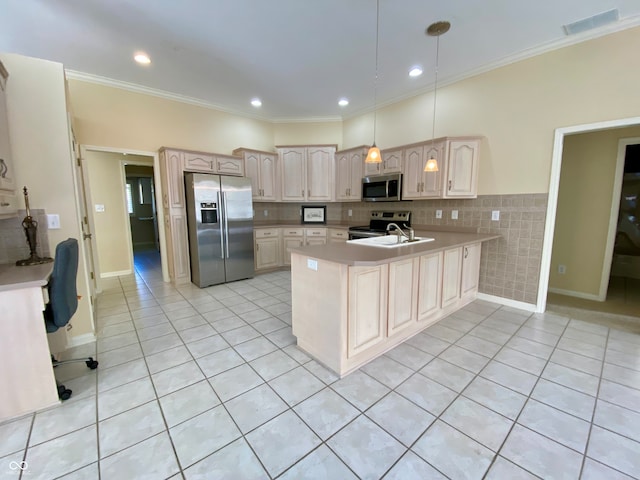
(458, 165)
(349, 166)
(306, 173)
(228, 165)
(213, 163)
(391, 163)
(260, 167)
(7, 182)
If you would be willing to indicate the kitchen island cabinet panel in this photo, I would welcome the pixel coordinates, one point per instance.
(429, 286)
(451, 276)
(367, 307)
(403, 291)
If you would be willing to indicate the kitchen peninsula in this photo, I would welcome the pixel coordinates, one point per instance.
(351, 303)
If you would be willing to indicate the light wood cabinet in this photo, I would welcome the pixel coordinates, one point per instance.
(267, 248)
(315, 236)
(291, 238)
(457, 163)
(349, 167)
(172, 176)
(403, 292)
(7, 181)
(260, 167)
(198, 162)
(338, 235)
(462, 169)
(306, 173)
(470, 270)
(452, 265)
(392, 161)
(429, 286)
(228, 165)
(367, 308)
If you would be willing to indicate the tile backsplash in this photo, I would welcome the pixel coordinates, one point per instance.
(509, 266)
(13, 241)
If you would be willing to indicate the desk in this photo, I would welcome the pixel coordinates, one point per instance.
(26, 373)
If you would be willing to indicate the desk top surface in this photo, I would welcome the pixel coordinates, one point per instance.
(15, 278)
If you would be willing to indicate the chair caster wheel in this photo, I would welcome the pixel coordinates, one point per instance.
(91, 363)
(63, 393)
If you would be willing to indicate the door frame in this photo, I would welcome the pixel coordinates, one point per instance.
(158, 198)
(552, 202)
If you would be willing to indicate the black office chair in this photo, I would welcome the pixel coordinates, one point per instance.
(63, 300)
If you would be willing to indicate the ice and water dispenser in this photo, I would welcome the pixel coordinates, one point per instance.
(208, 212)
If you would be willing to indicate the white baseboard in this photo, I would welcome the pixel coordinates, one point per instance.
(507, 302)
(115, 274)
(80, 340)
(570, 293)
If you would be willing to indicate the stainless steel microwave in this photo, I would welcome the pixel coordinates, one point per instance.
(382, 188)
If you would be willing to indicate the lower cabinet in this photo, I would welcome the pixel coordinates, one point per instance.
(267, 248)
(403, 293)
(291, 238)
(470, 270)
(367, 307)
(429, 286)
(452, 265)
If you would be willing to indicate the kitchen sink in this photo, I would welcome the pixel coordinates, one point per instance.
(389, 241)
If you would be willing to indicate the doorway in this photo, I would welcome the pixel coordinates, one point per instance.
(600, 218)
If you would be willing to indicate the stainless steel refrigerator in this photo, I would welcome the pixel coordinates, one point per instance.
(220, 219)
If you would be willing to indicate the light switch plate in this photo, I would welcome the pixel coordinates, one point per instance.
(99, 207)
(454, 214)
(495, 215)
(438, 213)
(350, 212)
(53, 221)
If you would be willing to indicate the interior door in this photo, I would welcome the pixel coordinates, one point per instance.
(88, 239)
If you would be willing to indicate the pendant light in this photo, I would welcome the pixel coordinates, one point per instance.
(373, 156)
(435, 30)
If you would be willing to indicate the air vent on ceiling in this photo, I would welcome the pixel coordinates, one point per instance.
(592, 22)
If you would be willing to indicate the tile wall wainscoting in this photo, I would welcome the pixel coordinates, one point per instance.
(509, 266)
(13, 242)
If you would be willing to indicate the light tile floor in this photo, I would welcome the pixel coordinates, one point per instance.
(208, 384)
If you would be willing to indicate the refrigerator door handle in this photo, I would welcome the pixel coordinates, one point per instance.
(222, 238)
(226, 223)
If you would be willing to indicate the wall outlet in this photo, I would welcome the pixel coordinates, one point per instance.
(312, 264)
(562, 269)
(266, 213)
(53, 221)
(350, 212)
(495, 215)
(454, 214)
(438, 213)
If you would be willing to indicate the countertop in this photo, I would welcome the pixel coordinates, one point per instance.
(16, 278)
(352, 254)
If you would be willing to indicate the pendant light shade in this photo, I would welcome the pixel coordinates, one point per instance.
(435, 30)
(373, 156)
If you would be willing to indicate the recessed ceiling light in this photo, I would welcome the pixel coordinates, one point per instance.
(142, 58)
(256, 102)
(343, 102)
(415, 71)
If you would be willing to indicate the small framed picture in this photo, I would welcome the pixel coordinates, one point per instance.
(314, 214)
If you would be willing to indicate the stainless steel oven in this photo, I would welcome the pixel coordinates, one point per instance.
(382, 188)
(378, 222)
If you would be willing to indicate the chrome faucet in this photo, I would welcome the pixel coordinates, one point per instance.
(410, 237)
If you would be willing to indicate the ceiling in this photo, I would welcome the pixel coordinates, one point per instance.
(298, 56)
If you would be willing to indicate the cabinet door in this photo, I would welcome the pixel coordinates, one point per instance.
(175, 178)
(197, 162)
(8, 204)
(432, 181)
(452, 263)
(429, 285)
(403, 289)
(288, 243)
(338, 235)
(470, 269)
(181, 270)
(462, 170)
(320, 162)
(367, 308)
(268, 176)
(413, 169)
(355, 188)
(267, 253)
(292, 174)
(7, 181)
(372, 169)
(252, 171)
(229, 166)
(392, 161)
(343, 176)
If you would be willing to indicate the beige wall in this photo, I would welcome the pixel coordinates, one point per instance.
(107, 187)
(517, 108)
(110, 117)
(584, 209)
(42, 156)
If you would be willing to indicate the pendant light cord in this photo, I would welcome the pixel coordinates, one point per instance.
(375, 81)
(435, 92)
